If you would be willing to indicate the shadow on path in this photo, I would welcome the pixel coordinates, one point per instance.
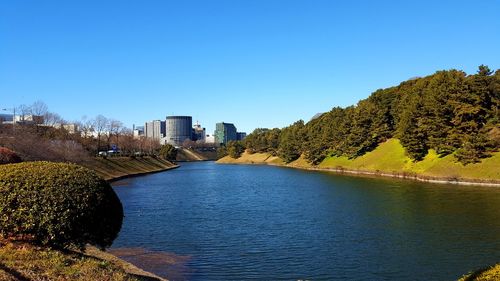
(14, 273)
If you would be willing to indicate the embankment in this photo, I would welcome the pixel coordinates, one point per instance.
(114, 168)
(22, 261)
(188, 155)
(389, 159)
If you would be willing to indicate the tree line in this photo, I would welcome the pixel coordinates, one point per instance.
(449, 111)
(47, 138)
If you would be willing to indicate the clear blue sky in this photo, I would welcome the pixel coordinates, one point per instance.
(255, 63)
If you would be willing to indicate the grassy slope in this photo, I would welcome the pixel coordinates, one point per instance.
(255, 158)
(26, 262)
(115, 167)
(390, 157)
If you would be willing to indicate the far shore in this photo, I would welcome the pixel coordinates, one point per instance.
(266, 159)
(400, 176)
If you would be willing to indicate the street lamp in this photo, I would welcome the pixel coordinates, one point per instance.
(13, 110)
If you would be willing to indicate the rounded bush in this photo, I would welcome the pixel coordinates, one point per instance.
(58, 204)
(8, 156)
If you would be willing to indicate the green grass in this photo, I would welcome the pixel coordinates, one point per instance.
(301, 162)
(390, 157)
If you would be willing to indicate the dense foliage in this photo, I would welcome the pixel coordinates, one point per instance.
(263, 140)
(168, 152)
(448, 111)
(57, 204)
(221, 152)
(235, 149)
(8, 156)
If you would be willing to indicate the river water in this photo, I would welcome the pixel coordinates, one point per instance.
(246, 222)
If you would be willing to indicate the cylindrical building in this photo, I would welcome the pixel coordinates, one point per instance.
(178, 129)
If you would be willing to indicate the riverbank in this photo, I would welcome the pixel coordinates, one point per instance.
(21, 261)
(115, 168)
(491, 273)
(389, 160)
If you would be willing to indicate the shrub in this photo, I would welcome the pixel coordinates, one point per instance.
(168, 152)
(58, 204)
(235, 149)
(8, 156)
(221, 152)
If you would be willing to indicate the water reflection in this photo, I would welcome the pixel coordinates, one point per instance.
(163, 264)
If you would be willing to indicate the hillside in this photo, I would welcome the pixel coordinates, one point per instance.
(446, 113)
(390, 159)
(254, 158)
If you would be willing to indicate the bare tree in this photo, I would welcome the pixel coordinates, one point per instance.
(22, 111)
(187, 143)
(148, 145)
(127, 143)
(114, 127)
(39, 108)
(85, 127)
(100, 124)
(53, 119)
(37, 112)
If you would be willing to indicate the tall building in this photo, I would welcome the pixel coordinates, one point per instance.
(155, 129)
(178, 129)
(199, 133)
(29, 119)
(241, 135)
(6, 118)
(224, 132)
(138, 131)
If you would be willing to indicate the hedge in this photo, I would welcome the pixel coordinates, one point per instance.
(58, 204)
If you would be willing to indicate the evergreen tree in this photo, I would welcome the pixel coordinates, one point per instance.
(448, 111)
(292, 138)
(235, 149)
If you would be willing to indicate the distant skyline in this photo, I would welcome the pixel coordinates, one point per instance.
(256, 63)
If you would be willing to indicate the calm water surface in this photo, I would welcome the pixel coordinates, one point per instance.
(238, 222)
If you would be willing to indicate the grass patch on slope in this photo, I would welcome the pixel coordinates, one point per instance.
(246, 158)
(390, 157)
(301, 162)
